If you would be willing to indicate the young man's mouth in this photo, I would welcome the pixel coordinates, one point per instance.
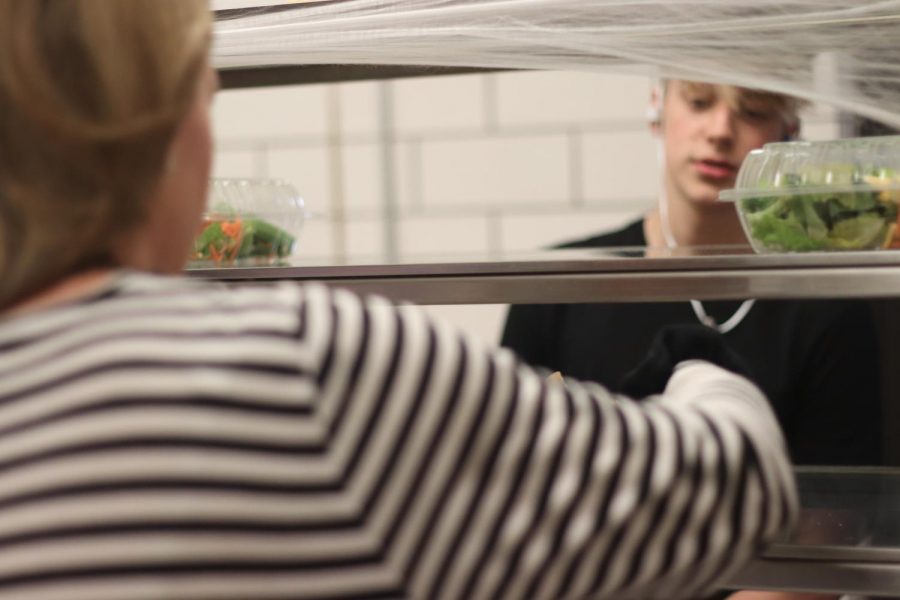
(719, 170)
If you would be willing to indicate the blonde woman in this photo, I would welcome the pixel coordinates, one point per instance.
(161, 438)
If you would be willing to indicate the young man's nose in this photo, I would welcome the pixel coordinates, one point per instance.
(721, 123)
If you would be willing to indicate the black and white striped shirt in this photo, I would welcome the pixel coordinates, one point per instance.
(173, 439)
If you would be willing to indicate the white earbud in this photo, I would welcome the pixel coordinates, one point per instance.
(657, 96)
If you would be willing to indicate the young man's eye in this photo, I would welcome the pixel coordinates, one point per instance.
(755, 114)
(699, 103)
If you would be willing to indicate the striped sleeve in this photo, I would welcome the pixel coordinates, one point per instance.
(492, 483)
(297, 442)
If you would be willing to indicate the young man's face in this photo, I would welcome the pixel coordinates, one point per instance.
(707, 132)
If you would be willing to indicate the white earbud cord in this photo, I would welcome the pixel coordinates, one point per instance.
(666, 228)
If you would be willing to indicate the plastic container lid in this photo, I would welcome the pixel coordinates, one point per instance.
(256, 196)
(820, 196)
(249, 222)
(793, 168)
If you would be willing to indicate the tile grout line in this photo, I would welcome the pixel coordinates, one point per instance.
(337, 198)
(576, 168)
(387, 148)
(261, 156)
(495, 234)
(417, 181)
(490, 104)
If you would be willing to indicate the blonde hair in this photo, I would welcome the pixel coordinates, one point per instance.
(91, 93)
(787, 108)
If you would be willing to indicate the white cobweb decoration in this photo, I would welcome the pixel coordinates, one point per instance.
(845, 53)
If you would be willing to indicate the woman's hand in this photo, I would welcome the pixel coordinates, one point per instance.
(673, 345)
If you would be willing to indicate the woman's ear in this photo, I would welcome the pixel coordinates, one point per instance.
(171, 164)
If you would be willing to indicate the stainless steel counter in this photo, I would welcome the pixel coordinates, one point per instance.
(616, 275)
(848, 540)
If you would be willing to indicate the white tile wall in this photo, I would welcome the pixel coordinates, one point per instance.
(363, 177)
(819, 122)
(619, 166)
(443, 235)
(308, 169)
(439, 104)
(274, 112)
(819, 113)
(359, 115)
(576, 98)
(236, 163)
(820, 130)
(506, 170)
(365, 240)
(408, 172)
(315, 242)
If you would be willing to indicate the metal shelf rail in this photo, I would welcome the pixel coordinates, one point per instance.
(594, 276)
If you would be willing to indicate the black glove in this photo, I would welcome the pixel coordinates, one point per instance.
(672, 345)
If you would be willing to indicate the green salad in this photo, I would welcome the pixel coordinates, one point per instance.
(224, 240)
(863, 218)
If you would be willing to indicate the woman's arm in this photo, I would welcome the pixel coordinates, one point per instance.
(481, 480)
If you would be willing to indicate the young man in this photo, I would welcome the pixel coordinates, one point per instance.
(816, 360)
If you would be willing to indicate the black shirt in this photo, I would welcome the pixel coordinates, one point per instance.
(816, 360)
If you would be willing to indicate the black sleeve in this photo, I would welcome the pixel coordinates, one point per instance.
(838, 421)
(532, 332)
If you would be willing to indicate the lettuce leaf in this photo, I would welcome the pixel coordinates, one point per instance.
(839, 221)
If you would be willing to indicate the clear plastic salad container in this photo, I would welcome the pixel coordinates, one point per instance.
(816, 196)
(248, 222)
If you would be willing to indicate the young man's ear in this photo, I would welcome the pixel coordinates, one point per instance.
(654, 111)
(654, 119)
(792, 132)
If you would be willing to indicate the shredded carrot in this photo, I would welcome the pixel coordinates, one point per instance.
(214, 254)
(231, 228)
